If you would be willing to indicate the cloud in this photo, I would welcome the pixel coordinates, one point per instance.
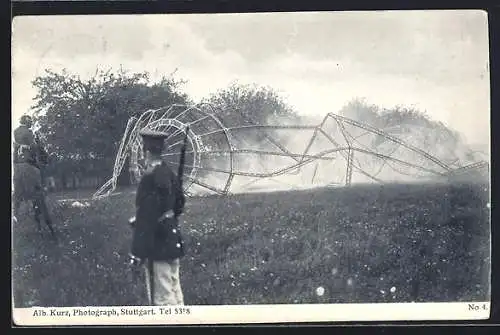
(82, 35)
(318, 62)
(157, 44)
(400, 43)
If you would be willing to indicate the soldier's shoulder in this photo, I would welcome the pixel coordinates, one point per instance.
(163, 175)
(22, 131)
(18, 130)
(146, 175)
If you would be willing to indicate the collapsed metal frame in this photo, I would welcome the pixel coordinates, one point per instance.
(159, 119)
(156, 119)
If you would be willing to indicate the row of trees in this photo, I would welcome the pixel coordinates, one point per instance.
(82, 121)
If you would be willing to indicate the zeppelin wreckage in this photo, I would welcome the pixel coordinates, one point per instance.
(337, 151)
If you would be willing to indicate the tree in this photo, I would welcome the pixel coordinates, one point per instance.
(401, 117)
(82, 121)
(241, 105)
(413, 126)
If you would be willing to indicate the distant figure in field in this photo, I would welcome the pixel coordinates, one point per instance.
(27, 146)
(134, 173)
(157, 243)
(24, 139)
(29, 159)
(51, 184)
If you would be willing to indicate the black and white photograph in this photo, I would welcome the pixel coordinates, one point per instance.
(204, 168)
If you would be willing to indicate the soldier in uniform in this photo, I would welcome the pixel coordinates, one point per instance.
(27, 148)
(28, 178)
(23, 141)
(157, 243)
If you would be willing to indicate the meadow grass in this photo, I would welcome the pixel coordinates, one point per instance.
(428, 241)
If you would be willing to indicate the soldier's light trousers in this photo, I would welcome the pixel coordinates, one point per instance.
(166, 283)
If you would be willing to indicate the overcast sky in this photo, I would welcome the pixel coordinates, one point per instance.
(434, 60)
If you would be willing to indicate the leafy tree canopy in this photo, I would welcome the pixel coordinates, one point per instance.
(82, 121)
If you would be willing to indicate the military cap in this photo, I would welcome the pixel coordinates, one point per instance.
(149, 133)
(153, 140)
(26, 120)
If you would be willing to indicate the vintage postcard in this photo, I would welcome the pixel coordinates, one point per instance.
(251, 168)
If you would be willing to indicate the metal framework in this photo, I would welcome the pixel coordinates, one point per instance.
(217, 150)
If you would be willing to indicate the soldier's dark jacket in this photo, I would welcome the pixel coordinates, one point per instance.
(158, 192)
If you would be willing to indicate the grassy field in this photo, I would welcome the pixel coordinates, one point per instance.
(429, 242)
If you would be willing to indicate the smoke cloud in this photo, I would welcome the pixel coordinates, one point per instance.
(400, 145)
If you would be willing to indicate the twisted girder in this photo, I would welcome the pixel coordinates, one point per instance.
(391, 138)
(197, 117)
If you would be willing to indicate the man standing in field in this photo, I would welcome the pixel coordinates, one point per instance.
(157, 241)
(27, 147)
(23, 141)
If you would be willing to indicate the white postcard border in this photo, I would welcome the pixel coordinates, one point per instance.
(237, 314)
